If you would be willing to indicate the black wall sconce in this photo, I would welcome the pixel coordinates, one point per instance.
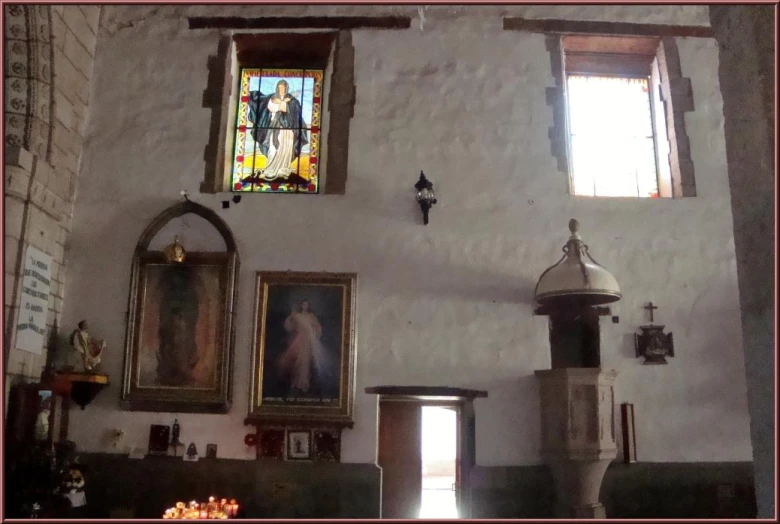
(425, 196)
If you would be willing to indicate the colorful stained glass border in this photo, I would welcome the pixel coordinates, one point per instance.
(244, 182)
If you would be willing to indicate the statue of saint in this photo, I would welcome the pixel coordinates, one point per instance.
(89, 349)
(175, 433)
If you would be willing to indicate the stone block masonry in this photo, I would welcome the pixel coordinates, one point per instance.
(49, 79)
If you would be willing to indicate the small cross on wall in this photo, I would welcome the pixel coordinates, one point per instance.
(650, 307)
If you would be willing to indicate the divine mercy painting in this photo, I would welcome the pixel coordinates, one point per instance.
(304, 347)
(277, 131)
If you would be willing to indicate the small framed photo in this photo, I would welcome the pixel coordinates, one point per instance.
(299, 445)
(211, 451)
(159, 436)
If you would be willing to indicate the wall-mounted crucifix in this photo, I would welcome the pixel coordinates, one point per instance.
(650, 307)
(653, 343)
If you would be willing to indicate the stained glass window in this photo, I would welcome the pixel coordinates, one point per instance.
(612, 140)
(277, 131)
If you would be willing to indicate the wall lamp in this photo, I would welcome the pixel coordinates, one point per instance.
(425, 196)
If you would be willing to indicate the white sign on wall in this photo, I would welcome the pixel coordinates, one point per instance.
(34, 301)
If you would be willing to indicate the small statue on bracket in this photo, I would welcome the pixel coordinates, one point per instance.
(653, 343)
(89, 349)
(175, 433)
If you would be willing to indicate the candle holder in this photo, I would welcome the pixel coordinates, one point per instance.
(210, 510)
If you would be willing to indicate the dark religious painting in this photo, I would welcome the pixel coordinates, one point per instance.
(178, 334)
(304, 347)
(277, 131)
(271, 444)
(327, 445)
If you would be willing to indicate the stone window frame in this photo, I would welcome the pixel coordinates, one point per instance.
(330, 50)
(675, 93)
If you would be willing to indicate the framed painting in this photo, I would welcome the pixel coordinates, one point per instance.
(304, 349)
(299, 445)
(178, 350)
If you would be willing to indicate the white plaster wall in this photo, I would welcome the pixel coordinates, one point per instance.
(446, 304)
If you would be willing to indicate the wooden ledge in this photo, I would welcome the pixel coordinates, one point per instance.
(85, 377)
(301, 22)
(547, 25)
(269, 422)
(427, 392)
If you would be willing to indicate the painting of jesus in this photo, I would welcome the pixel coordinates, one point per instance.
(304, 352)
(303, 343)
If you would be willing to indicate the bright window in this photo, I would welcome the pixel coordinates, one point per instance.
(277, 131)
(611, 136)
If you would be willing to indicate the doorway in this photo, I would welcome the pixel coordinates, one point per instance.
(439, 447)
(426, 452)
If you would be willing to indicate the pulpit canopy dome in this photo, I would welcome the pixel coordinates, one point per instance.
(576, 280)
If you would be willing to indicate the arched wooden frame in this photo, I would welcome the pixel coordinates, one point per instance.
(184, 398)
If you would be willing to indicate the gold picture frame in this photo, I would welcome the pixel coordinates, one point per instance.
(303, 352)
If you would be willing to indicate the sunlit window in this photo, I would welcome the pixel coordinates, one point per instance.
(611, 135)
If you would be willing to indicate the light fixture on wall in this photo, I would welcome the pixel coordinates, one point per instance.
(425, 195)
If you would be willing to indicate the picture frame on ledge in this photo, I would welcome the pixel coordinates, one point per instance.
(309, 314)
(299, 444)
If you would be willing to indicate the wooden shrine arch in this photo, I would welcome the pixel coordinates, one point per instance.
(182, 388)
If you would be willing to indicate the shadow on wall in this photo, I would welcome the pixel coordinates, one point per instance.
(511, 403)
(435, 268)
(133, 217)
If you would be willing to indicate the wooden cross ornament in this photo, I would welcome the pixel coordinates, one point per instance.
(650, 307)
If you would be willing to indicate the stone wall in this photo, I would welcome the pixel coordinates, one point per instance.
(746, 40)
(49, 67)
(446, 304)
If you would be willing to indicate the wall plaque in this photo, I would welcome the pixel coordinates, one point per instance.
(34, 301)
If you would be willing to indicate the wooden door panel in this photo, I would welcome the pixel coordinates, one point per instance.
(400, 457)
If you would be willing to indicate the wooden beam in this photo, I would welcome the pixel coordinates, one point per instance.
(605, 28)
(301, 22)
(426, 391)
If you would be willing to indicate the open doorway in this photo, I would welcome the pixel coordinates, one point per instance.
(417, 480)
(439, 453)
